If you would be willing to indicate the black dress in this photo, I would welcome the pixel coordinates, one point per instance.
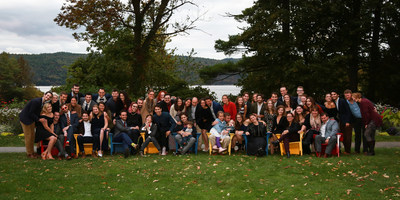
(97, 124)
(279, 127)
(332, 112)
(204, 118)
(256, 142)
(41, 132)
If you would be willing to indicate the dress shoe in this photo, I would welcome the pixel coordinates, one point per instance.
(68, 157)
(126, 152)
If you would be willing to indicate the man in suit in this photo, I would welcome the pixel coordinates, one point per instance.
(28, 116)
(87, 103)
(274, 98)
(112, 102)
(300, 92)
(121, 133)
(284, 92)
(101, 96)
(214, 107)
(328, 131)
(246, 98)
(69, 125)
(258, 108)
(344, 120)
(74, 93)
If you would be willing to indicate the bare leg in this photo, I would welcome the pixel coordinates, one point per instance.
(52, 141)
(205, 138)
(101, 141)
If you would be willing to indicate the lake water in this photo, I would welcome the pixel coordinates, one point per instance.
(218, 89)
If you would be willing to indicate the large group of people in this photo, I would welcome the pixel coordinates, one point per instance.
(165, 120)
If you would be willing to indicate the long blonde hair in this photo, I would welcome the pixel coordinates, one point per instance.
(44, 109)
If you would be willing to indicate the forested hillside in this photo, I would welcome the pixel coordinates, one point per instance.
(48, 67)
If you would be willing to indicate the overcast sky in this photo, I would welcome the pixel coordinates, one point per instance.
(27, 26)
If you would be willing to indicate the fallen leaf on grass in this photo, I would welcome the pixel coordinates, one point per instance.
(348, 191)
(155, 181)
(385, 175)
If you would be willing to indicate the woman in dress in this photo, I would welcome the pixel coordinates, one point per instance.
(299, 115)
(123, 102)
(269, 115)
(256, 141)
(240, 128)
(289, 105)
(278, 126)
(330, 106)
(241, 107)
(204, 120)
(99, 126)
(45, 130)
(290, 134)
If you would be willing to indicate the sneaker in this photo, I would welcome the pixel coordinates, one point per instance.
(164, 151)
(100, 155)
(134, 145)
(236, 148)
(221, 150)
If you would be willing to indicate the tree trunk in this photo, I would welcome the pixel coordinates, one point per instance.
(375, 54)
(355, 40)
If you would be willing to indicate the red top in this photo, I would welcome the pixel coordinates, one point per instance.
(231, 109)
(368, 113)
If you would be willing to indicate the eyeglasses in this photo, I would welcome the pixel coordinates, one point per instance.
(134, 106)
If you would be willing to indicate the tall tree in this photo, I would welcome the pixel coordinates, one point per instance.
(148, 21)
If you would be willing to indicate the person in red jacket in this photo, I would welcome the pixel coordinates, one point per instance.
(371, 120)
(229, 107)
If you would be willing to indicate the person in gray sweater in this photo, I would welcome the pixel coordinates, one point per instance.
(328, 131)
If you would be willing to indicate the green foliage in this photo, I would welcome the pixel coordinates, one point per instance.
(9, 116)
(390, 119)
(321, 45)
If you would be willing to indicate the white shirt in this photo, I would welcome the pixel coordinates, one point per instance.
(259, 108)
(323, 129)
(194, 112)
(88, 129)
(337, 103)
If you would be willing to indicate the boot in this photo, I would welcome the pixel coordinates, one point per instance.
(371, 147)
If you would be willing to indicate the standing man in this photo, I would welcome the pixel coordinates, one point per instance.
(356, 122)
(344, 116)
(246, 98)
(258, 108)
(371, 121)
(166, 124)
(87, 103)
(28, 116)
(214, 107)
(63, 99)
(283, 91)
(112, 103)
(274, 98)
(300, 92)
(74, 93)
(229, 107)
(101, 96)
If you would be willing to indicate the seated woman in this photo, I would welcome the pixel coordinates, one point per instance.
(111, 122)
(299, 115)
(150, 129)
(290, 134)
(278, 126)
(310, 102)
(177, 109)
(240, 129)
(99, 126)
(45, 130)
(219, 134)
(186, 135)
(311, 126)
(330, 106)
(85, 136)
(256, 142)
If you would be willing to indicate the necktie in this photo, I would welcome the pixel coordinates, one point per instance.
(87, 106)
(68, 120)
(124, 124)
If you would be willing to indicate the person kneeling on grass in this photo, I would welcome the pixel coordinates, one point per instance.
(150, 129)
(85, 135)
(121, 133)
(328, 131)
(219, 134)
(185, 136)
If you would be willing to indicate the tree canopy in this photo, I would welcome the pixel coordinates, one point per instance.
(321, 45)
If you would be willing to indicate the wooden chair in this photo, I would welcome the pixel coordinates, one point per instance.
(294, 147)
(151, 149)
(229, 146)
(88, 147)
(194, 147)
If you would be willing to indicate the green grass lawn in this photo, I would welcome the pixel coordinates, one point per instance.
(203, 177)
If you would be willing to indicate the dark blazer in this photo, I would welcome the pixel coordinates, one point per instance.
(74, 121)
(91, 104)
(164, 106)
(120, 128)
(153, 129)
(344, 111)
(96, 96)
(165, 122)
(217, 107)
(80, 95)
(134, 119)
(55, 107)
(254, 108)
(31, 111)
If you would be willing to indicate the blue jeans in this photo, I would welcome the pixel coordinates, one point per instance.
(124, 138)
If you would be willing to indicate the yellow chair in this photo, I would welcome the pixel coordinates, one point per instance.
(151, 149)
(229, 146)
(294, 147)
(87, 146)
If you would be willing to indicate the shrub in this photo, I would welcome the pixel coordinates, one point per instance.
(9, 116)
